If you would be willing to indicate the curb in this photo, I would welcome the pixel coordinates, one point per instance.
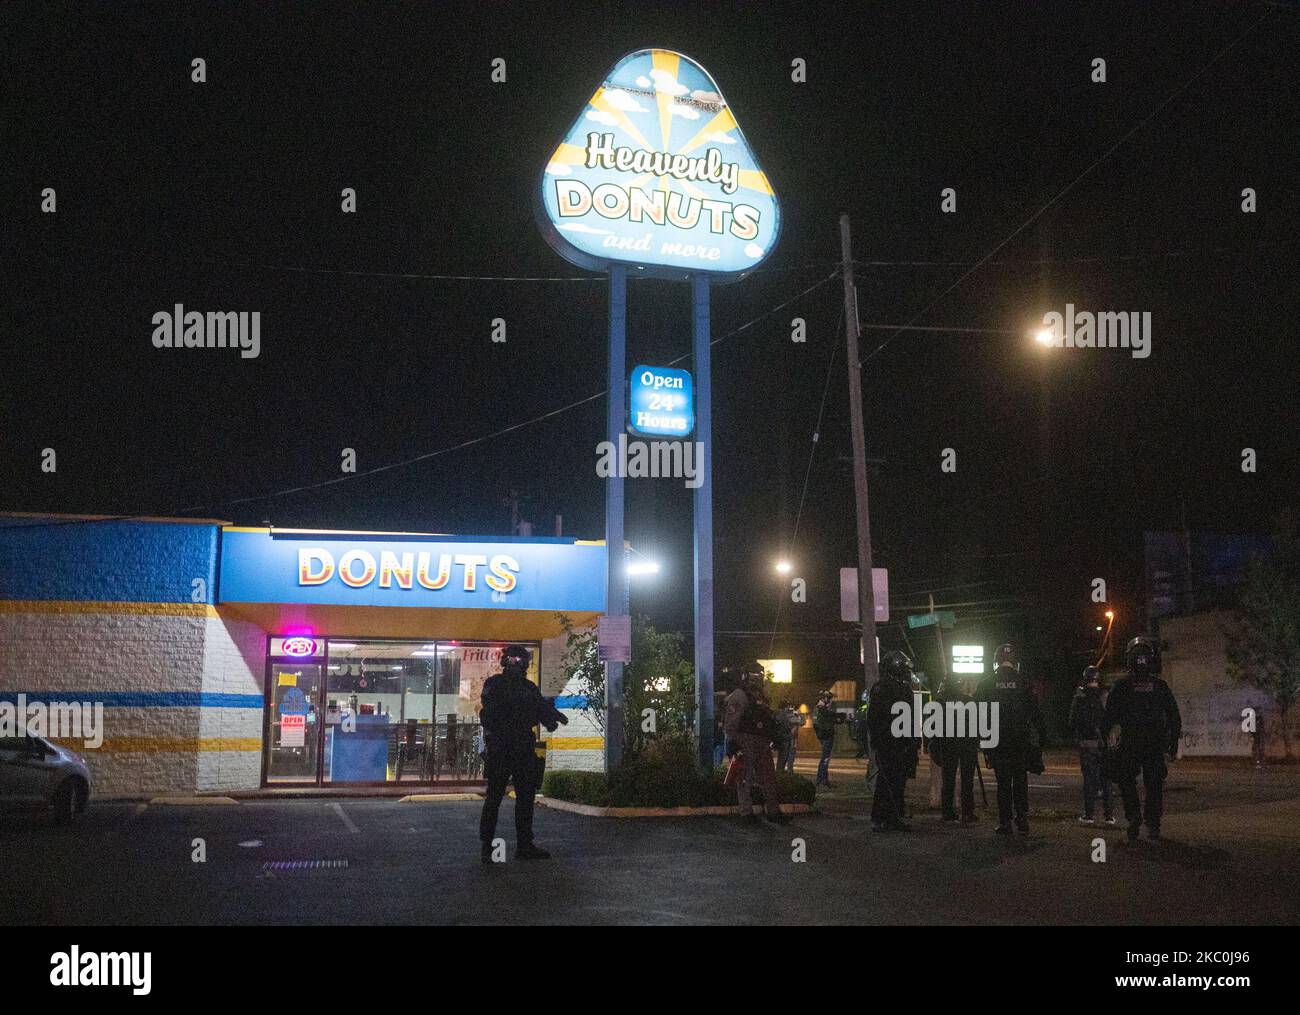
(655, 812)
(202, 801)
(433, 798)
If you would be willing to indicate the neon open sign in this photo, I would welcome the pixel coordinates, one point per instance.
(299, 647)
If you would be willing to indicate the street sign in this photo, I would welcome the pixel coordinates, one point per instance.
(656, 174)
(662, 402)
(614, 639)
(944, 618)
(849, 593)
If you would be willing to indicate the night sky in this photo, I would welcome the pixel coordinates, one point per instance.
(226, 196)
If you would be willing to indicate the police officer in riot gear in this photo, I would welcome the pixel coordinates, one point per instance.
(896, 755)
(512, 706)
(1142, 715)
(1020, 736)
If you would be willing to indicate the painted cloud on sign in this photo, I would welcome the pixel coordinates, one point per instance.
(667, 83)
(622, 100)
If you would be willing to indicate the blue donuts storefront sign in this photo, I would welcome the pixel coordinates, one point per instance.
(350, 569)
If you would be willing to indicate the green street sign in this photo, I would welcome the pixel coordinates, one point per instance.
(944, 618)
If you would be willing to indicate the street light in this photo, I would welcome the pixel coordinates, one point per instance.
(638, 563)
(1044, 337)
(783, 566)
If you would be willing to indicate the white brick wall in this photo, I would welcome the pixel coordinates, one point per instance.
(148, 749)
(553, 685)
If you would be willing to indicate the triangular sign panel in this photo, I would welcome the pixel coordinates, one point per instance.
(656, 174)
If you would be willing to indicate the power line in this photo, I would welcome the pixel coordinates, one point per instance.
(1069, 186)
(361, 273)
(213, 507)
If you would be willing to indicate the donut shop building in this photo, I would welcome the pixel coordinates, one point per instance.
(229, 658)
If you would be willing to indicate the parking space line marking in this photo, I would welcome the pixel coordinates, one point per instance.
(338, 809)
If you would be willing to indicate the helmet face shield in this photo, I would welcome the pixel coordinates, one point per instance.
(1141, 658)
(515, 656)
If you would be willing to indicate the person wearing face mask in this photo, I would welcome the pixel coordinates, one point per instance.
(512, 706)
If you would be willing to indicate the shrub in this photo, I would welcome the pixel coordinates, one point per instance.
(663, 776)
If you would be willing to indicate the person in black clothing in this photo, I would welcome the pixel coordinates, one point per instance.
(512, 706)
(896, 754)
(1142, 713)
(825, 719)
(1086, 712)
(1020, 737)
(957, 753)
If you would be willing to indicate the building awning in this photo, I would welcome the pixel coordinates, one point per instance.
(403, 622)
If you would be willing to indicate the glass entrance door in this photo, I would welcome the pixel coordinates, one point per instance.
(293, 737)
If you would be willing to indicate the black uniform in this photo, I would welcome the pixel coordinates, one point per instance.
(957, 753)
(1020, 736)
(1146, 714)
(896, 755)
(512, 706)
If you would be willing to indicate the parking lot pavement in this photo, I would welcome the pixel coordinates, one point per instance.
(1230, 859)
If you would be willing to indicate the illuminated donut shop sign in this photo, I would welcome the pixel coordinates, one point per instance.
(370, 569)
(655, 172)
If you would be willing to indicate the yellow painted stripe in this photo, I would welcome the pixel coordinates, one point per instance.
(162, 745)
(68, 606)
(575, 743)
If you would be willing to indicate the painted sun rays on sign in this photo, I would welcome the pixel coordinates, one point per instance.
(668, 114)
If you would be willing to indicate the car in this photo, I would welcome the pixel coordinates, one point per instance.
(39, 774)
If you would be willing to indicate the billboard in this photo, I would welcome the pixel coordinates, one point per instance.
(656, 174)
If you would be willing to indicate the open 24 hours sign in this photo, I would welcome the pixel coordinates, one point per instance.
(662, 402)
(655, 173)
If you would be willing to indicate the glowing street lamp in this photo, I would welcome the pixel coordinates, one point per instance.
(783, 566)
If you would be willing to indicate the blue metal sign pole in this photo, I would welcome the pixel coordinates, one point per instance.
(703, 522)
(616, 592)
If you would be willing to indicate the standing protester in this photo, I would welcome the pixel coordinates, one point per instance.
(896, 755)
(1142, 714)
(512, 706)
(825, 719)
(1086, 713)
(751, 728)
(788, 722)
(958, 753)
(858, 729)
(1020, 737)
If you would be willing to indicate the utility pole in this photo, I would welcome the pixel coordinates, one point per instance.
(936, 776)
(866, 590)
(938, 635)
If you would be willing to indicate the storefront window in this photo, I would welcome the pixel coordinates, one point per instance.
(388, 711)
(292, 739)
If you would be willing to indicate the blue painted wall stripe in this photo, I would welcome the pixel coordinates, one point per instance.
(141, 699)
